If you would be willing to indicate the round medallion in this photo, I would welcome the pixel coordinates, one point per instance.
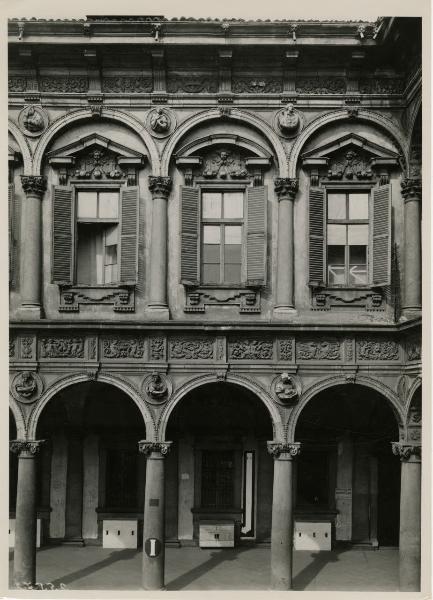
(26, 387)
(157, 388)
(288, 121)
(161, 122)
(33, 120)
(286, 389)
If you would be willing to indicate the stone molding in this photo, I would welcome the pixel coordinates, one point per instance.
(34, 185)
(160, 186)
(275, 449)
(411, 189)
(406, 451)
(146, 448)
(25, 448)
(286, 187)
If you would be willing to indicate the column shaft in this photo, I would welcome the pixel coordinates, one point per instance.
(285, 189)
(412, 254)
(410, 526)
(158, 254)
(282, 525)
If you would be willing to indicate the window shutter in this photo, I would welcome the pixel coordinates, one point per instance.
(63, 234)
(11, 232)
(317, 223)
(256, 235)
(128, 234)
(380, 236)
(190, 228)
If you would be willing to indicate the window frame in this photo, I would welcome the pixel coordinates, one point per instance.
(348, 188)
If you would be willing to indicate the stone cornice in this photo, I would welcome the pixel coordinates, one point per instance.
(291, 450)
(25, 448)
(34, 185)
(147, 448)
(160, 186)
(286, 187)
(406, 451)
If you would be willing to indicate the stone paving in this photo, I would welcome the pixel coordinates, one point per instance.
(242, 568)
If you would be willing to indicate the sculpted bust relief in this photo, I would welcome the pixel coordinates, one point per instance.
(288, 119)
(160, 121)
(285, 388)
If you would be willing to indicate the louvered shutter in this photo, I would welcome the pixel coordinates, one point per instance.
(63, 235)
(380, 236)
(317, 250)
(190, 239)
(256, 235)
(128, 234)
(11, 232)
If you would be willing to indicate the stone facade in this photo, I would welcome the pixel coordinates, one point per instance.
(210, 111)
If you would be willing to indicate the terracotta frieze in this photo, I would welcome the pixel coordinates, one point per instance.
(127, 85)
(251, 349)
(72, 347)
(123, 348)
(382, 85)
(319, 350)
(192, 349)
(257, 85)
(321, 85)
(76, 84)
(286, 349)
(192, 84)
(27, 348)
(377, 350)
(157, 348)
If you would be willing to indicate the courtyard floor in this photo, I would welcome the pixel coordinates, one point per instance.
(242, 568)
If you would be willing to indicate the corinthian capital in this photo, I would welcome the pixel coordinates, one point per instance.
(147, 448)
(160, 186)
(286, 187)
(277, 448)
(25, 448)
(34, 185)
(406, 451)
(411, 189)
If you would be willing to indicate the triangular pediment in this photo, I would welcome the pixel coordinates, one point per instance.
(351, 141)
(94, 141)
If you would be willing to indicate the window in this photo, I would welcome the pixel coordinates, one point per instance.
(217, 474)
(222, 229)
(347, 238)
(121, 478)
(97, 237)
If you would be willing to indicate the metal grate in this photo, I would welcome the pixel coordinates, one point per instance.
(217, 479)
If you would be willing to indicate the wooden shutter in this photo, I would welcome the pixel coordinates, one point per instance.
(380, 236)
(128, 234)
(256, 235)
(190, 238)
(63, 234)
(11, 232)
(317, 224)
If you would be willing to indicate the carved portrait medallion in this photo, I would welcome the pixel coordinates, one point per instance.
(288, 121)
(26, 387)
(286, 389)
(157, 388)
(161, 122)
(33, 120)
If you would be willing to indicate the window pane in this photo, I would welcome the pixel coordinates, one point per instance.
(210, 273)
(336, 269)
(233, 234)
(233, 205)
(232, 253)
(358, 206)
(87, 205)
(337, 206)
(357, 235)
(211, 234)
(232, 273)
(358, 265)
(89, 254)
(111, 235)
(211, 253)
(336, 235)
(211, 205)
(108, 205)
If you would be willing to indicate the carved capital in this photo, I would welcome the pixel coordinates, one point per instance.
(290, 450)
(411, 189)
(160, 186)
(25, 448)
(286, 187)
(406, 451)
(34, 185)
(147, 448)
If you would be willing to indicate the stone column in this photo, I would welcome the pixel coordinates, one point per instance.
(282, 514)
(154, 509)
(25, 517)
(34, 187)
(285, 189)
(412, 192)
(410, 516)
(160, 188)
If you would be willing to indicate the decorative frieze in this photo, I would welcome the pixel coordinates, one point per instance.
(383, 85)
(257, 85)
(324, 300)
(123, 348)
(413, 350)
(157, 348)
(27, 348)
(377, 350)
(147, 448)
(249, 301)
(72, 347)
(349, 349)
(286, 349)
(17, 84)
(292, 450)
(92, 348)
(406, 450)
(25, 448)
(250, 349)
(192, 349)
(321, 85)
(192, 84)
(75, 84)
(127, 85)
(318, 350)
(121, 299)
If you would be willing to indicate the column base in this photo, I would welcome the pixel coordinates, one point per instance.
(410, 312)
(284, 312)
(157, 312)
(30, 312)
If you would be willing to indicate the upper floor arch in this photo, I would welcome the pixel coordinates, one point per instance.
(23, 146)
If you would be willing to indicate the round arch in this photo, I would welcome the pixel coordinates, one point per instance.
(86, 114)
(411, 393)
(235, 115)
(192, 384)
(341, 115)
(19, 419)
(102, 378)
(416, 111)
(23, 146)
(330, 382)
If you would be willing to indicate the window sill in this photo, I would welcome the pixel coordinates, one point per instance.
(350, 298)
(200, 297)
(120, 296)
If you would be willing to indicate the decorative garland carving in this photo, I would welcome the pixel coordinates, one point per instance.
(122, 299)
(26, 448)
(405, 451)
(76, 84)
(127, 85)
(123, 348)
(192, 349)
(285, 349)
(192, 84)
(62, 347)
(318, 350)
(377, 350)
(26, 347)
(147, 448)
(157, 348)
(251, 349)
(292, 450)
(247, 300)
(254, 85)
(321, 85)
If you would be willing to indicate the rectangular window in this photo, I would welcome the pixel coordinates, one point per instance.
(97, 237)
(222, 231)
(347, 238)
(217, 485)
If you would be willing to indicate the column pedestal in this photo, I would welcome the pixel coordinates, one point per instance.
(24, 571)
(286, 191)
(410, 516)
(412, 191)
(154, 509)
(282, 514)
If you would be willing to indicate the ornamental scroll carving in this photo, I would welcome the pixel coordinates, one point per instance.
(285, 349)
(17, 84)
(192, 349)
(321, 85)
(254, 85)
(251, 349)
(127, 85)
(76, 84)
(381, 86)
(124, 348)
(192, 84)
(62, 347)
(322, 350)
(377, 350)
